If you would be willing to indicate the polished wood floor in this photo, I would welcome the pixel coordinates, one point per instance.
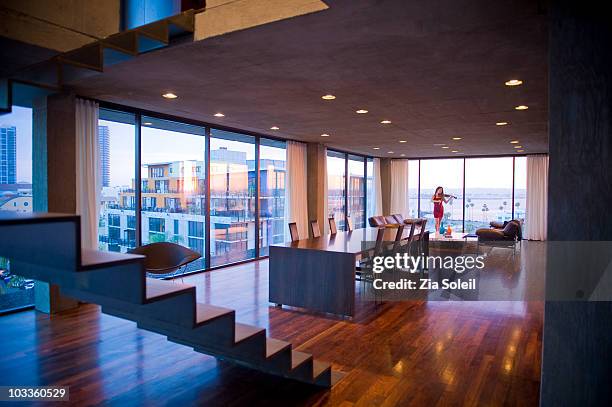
(395, 354)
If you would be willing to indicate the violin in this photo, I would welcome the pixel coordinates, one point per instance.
(450, 196)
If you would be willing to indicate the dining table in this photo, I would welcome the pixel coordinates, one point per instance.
(319, 274)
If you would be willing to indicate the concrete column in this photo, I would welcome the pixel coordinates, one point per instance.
(316, 159)
(54, 176)
(385, 185)
(577, 345)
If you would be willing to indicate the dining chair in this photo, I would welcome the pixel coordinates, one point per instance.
(293, 232)
(314, 228)
(349, 224)
(332, 226)
(365, 271)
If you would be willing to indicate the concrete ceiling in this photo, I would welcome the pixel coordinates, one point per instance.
(435, 69)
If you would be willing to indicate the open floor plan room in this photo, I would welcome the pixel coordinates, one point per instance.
(305, 203)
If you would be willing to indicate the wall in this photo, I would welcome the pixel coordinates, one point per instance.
(577, 344)
(385, 185)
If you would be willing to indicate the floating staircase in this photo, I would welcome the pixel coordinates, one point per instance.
(53, 75)
(46, 247)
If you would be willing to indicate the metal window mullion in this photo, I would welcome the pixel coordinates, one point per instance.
(257, 226)
(208, 232)
(138, 179)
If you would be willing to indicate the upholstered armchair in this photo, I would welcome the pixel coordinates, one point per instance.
(505, 234)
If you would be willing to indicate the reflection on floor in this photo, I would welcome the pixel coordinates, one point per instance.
(396, 353)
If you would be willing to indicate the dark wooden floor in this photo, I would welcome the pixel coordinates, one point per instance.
(399, 353)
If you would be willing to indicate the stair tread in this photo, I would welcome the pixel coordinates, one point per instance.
(274, 346)
(207, 312)
(244, 331)
(298, 358)
(91, 259)
(160, 288)
(336, 376)
(319, 367)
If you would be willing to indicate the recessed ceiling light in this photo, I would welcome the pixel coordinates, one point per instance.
(521, 107)
(444, 146)
(219, 115)
(456, 138)
(324, 135)
(147, 123)
(514, 82)
(385, 122)
(518, 146)
(375, 148)
(520, 151)
(361, 111)
(274, 128)
(169, 95)
(403, 141)
(402, 155)
(454, 151)
(514, 142)
(390, 152)
(328, 97)
(501, 123)
(439, 144)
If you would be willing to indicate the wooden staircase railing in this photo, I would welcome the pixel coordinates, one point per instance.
(46, 247)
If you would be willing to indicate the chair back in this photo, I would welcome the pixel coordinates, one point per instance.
(377, 221)
(293, 232)
(165, 257)
(349, 224)
(314, 228)
(390, 220)
(398, 217)
(332, 226)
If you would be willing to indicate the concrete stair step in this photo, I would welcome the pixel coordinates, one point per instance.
(321, 373)
(94, 259)
(206, 313)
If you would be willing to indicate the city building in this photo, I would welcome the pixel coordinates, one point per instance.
(104, 150)
(8, 155)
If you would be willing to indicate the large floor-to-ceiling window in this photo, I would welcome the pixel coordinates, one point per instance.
(356, 190)
(449, 175)
(232, 197)
(336, 187)
(488, 191)
(195, 186)
(350, 190)
(494, 187)
(15, 196)
(173, 184)
(272, 171)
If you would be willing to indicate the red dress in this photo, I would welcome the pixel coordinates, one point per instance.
(438, 210)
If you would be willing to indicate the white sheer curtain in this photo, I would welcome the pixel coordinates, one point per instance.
(88, 171)
(325, 209)
(399, 187)
(296, 188)
(537, 197)
(375, 207)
